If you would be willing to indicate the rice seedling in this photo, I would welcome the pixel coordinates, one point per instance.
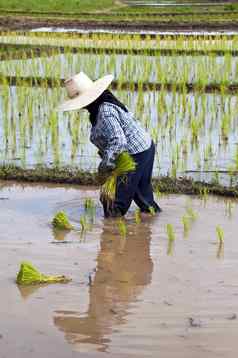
(124, 165)
(229, 208)
(177, 119)
(220, 237)
(171, 238)
(122, 228)
(220, 234)
(186, 225)
(137, 216)
(191, 214)
(61, 221)
(29, 275)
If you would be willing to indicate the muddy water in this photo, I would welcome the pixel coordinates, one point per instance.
(128, 297)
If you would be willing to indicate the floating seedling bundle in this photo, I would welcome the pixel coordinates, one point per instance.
(124, 165)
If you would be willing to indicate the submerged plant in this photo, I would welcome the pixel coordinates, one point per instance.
(124, 165)
(29, 275)
(122, 228)
(60, 221)
(90, 209)
(84, 224)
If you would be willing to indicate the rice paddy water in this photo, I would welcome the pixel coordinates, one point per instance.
(190, 106)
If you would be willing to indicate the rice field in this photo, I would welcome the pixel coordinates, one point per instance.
(188, 101)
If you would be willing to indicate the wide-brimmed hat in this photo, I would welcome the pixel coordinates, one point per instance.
(82, 91)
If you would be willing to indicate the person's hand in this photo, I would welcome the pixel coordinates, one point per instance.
(105, 168)
(102, 177)
(103, 172)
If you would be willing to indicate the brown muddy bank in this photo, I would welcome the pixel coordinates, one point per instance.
(128, 297)
(29, 23)
(17, 51)
(126, 85)
(70, 175)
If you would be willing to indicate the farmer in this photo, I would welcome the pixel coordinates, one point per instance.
(113, 131)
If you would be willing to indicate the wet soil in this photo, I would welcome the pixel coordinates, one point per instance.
(129, 297)
(27, 23)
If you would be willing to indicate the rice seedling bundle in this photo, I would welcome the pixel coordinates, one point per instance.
(29, 275)
(124, 165)
(60, 221)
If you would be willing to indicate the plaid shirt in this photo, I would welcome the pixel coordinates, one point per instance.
(116, 131)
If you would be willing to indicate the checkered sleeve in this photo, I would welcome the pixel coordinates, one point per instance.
(116, 141)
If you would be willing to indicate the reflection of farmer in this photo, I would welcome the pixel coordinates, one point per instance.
(124, 268)
(114, 130)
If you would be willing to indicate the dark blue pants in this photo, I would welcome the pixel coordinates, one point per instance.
(135, 186)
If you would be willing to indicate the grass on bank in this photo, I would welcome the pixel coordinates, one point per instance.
(59, 5)
(94, 6)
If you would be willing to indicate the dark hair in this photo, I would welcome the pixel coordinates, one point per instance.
(106, 96)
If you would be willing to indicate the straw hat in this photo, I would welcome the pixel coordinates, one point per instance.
(82, 91)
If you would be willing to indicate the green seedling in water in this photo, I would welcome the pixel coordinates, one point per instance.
(220, 234)
(204, 193)
(137, 216)
(152, 210)
(229, 208)
(61, 221)
(122, 228)
(186, 225)
(171, 238)
(84, 224)
(89, 204)
(191, 214)
(29, 275)
(90, 209)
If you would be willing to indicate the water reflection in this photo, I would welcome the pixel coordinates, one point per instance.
(124, 268)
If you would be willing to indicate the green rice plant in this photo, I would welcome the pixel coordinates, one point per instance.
(29, 275)
(124, 165)
(84, 224)
(191, 214)
(186, 224)
(89, 204)
(152, 210)
(229, 208)
(170, 232)
(90, 210)
(171, 238)
(220, 234)
(61, 221)
(137, 216)
(203, 193)
(220, 237)
(122, 228)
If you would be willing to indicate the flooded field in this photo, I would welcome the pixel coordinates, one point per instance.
(187, 101)
(142, 295)
(192, 132)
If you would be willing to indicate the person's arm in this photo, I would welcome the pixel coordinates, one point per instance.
(115, 138)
